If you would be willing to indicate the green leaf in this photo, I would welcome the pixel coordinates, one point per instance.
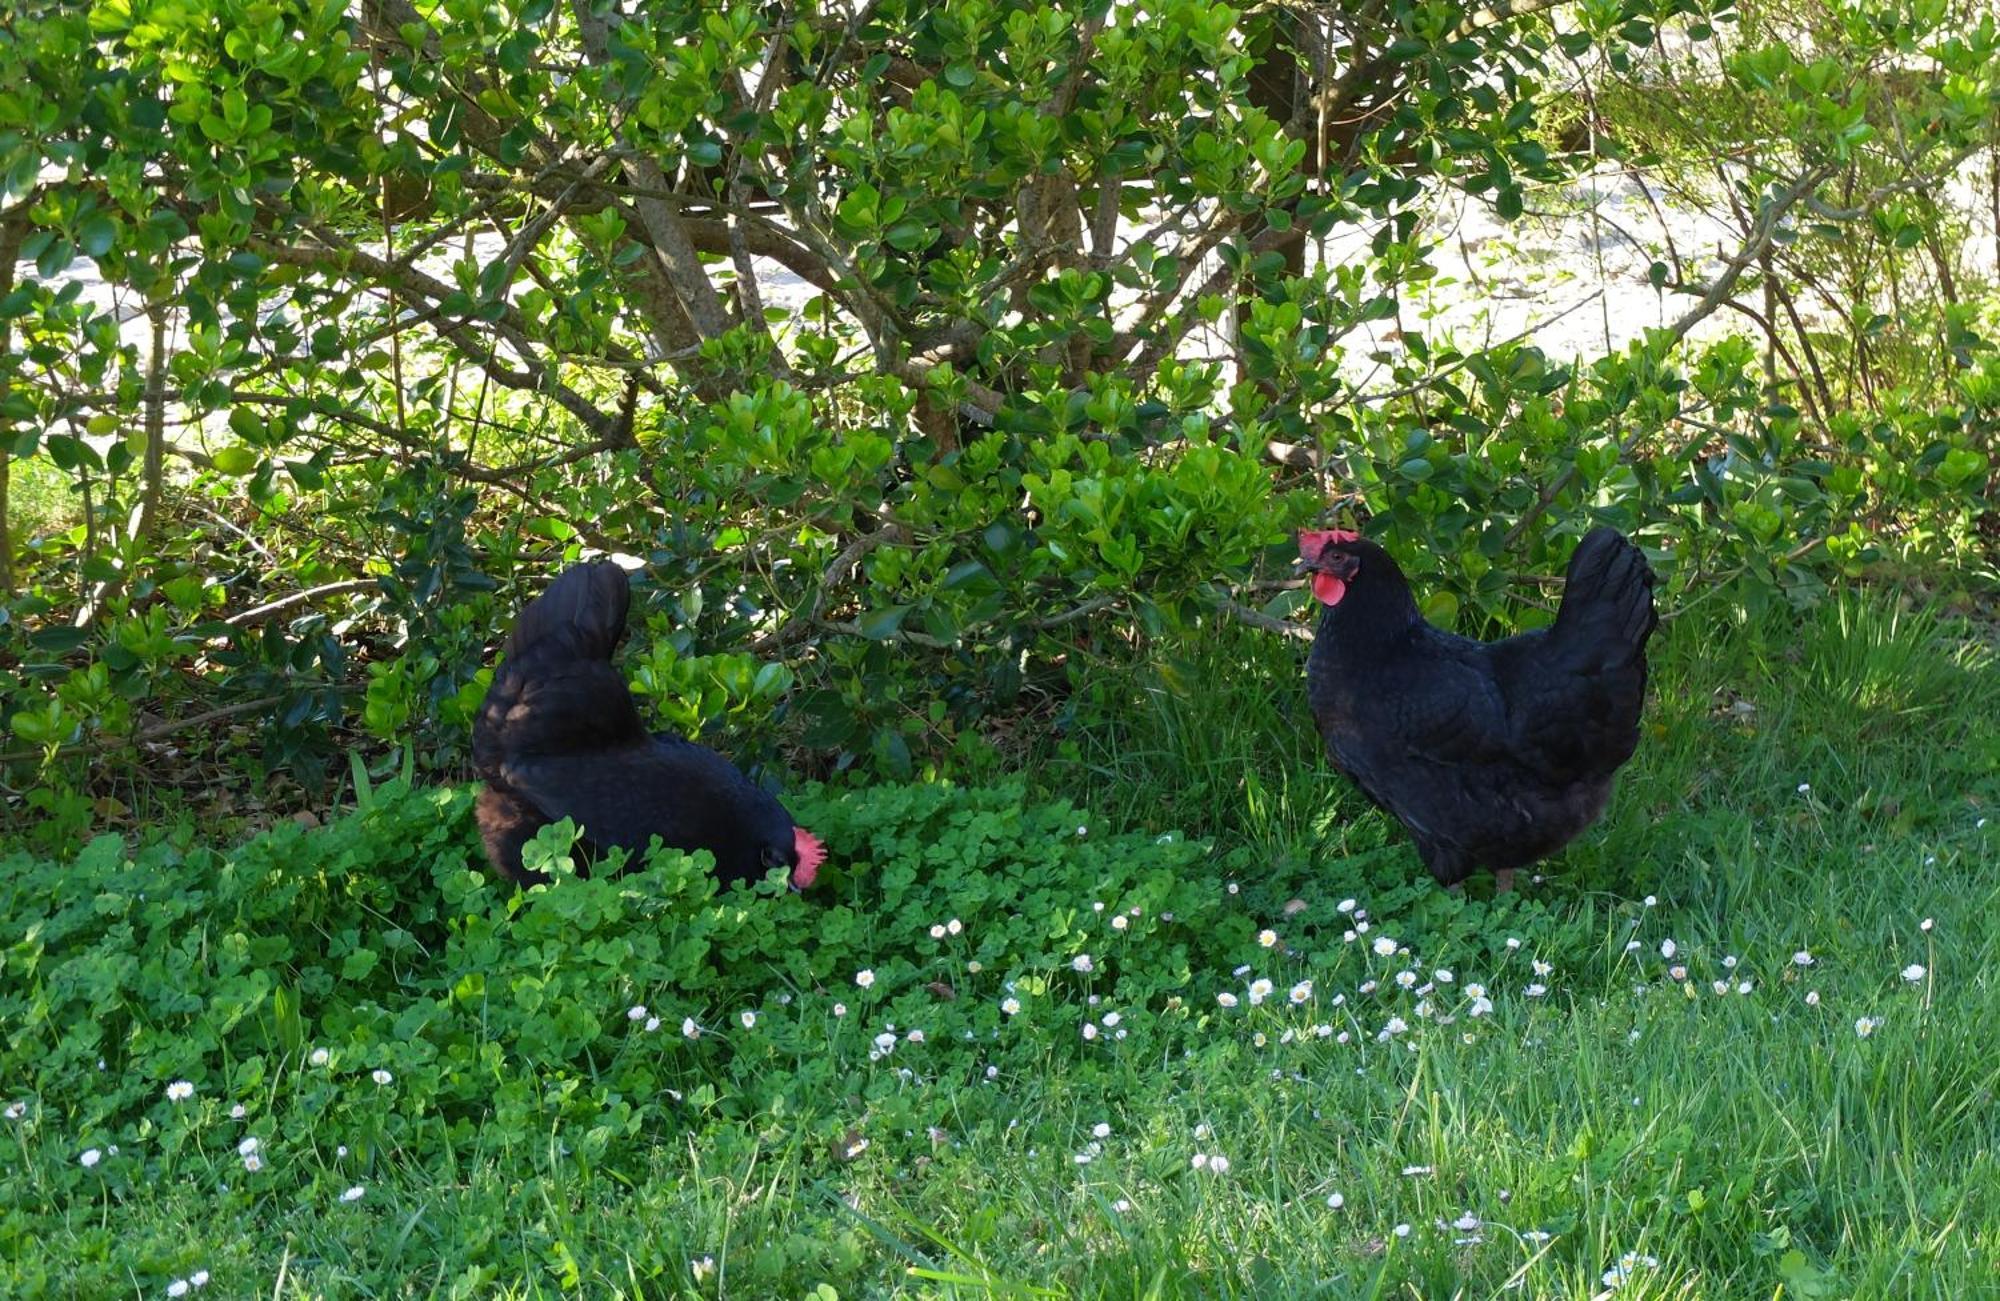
(1960, 464)
(246, 424)
(69, 452)
(55, 258)
(98, 235)
(236, 461)
(882, 624)
(1441, 608)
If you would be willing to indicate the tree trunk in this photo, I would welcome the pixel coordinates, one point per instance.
(12, 232)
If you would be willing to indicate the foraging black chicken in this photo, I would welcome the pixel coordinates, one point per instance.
(558, 735)
(1491, 754)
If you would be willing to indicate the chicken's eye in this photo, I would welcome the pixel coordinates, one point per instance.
(773, 858)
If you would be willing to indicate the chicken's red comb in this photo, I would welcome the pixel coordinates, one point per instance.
(1314, 541)
(809, 853)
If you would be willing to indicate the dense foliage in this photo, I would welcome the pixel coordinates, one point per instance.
(367, 984)
(337, 327)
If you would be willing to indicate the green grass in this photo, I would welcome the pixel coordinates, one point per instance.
(1738, 1144)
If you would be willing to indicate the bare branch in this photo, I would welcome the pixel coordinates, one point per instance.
(259, 613)
(144, 734)
(1257, 619)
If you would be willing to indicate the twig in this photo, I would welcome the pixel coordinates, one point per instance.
(258, 613)
(1428, 381)
(151, 733)
(1759, 240)
(1264, 622)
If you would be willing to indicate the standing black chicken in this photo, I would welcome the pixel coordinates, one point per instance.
(558, 736)
(1491, 754)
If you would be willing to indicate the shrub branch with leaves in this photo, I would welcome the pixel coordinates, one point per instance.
(433, 300)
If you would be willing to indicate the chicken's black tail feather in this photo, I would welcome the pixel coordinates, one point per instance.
(1607, 607)
(582, 614)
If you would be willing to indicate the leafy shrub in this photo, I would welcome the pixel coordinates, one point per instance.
(991, 447)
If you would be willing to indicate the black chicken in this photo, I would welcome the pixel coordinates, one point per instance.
(559, 736)
(1491, 754)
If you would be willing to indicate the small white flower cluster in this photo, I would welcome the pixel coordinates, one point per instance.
(1627, 1265)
